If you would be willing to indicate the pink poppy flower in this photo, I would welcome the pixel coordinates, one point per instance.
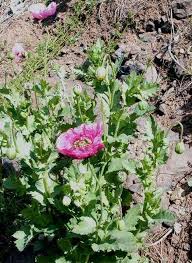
(81, 142)
(41, 11)
(18, 52)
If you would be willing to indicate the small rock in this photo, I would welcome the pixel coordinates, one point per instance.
(169, 92)
(187, 246)
(150, 26)
(177, 194)
(148, 37)
(177, 202)
(182, 51)
(125, 50)
(163, 108)
(119, 53)
(166, 27)
(163, 19)
(179, 70)
(131, 179)
(17, 6)
(176, 38)
(177, 228)
(8, 12)
(134, 49)
(165, 201)
(131, 66)
(182, 8)
(135, 188)
(175, 239)
(163, 59)
(151, 74)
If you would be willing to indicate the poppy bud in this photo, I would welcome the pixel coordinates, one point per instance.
(11, 153)
(180, 147)
(100, 73)
(66, 200)
(121, 177)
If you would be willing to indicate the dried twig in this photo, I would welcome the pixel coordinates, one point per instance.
(169, 49)
(161, 239)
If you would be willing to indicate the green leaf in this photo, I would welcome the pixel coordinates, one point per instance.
(23, 148)
(23, 237)
(131, 217)
(14, 183)
(64, 244)
(45, 259)
(123, 163)
(38, 197)
(62, 260)
(124, 240)
(86, 226)
(31, 126)
(165, 216)
(119, 240)
(129, 165)
(115, 165)
(139, 88)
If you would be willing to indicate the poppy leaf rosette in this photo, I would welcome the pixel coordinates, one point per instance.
(81, 142)
(40, 11)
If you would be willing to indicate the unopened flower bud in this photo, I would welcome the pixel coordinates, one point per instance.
(11, 153)
(180, 147)
(78, 89)
(100, 73)
(121, 177)
(66, 200)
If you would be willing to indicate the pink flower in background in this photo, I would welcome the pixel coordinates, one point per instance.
(81, 142)
(41, 11)
(18, 52)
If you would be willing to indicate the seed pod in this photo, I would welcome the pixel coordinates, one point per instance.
(78, 89)
(180, 147)
(11, 153)
(100, 73)
(121, 177)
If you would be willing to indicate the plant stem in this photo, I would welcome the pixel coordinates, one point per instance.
(100, 191)
(87, 258)
(182, 129)
(181, 135)
(98, 180)
(117, 127)
(79, 109)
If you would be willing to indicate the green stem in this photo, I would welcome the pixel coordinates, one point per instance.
(79, 109)
(87, 258)
(98, 180)
(181, 135)
(117, 127)
(45, 185)
(181, 126)
(100, 191)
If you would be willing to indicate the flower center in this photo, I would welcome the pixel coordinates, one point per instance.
(82, 143)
